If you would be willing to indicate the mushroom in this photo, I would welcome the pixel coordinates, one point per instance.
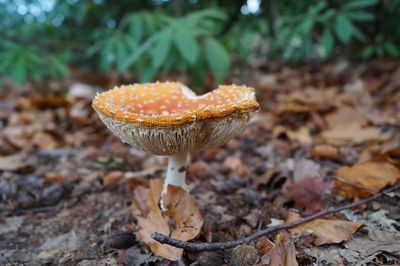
(167, 118)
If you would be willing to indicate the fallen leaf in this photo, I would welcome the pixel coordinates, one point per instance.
(11, 162)
(356, 92)
(334, 255)
(112, 178)
(376, 242)
(325, 151)
(181, 219)
(264, 245)
(390, 154)
(54, 178)
(365, 179)
(306, 188)
(44, 141)
(284, 252)
(182, 213)
(302, 135)
(345, 116)
(353, 135)
(308, 100)
(236, 165)
(381, 219)
(325, 231)
(309, 193)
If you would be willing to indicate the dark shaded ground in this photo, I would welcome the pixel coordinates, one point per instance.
(70, 183)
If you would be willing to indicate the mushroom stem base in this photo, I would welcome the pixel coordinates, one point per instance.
(176, 173)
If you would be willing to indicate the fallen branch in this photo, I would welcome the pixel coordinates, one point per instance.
(163, 239)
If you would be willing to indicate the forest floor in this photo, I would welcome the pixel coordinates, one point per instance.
(326, 135)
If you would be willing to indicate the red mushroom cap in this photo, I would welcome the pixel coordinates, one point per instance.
(167, 118)
(170, 103)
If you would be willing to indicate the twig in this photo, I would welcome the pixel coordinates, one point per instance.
(231, 244)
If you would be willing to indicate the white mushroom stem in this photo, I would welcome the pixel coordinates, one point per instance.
(176, 173)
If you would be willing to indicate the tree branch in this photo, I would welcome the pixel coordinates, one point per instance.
(163, 239)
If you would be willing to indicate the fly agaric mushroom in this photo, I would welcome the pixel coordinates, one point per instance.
(167, 118)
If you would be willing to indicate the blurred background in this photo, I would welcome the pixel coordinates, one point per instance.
(197, 41)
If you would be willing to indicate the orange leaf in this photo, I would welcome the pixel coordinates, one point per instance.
(344, 117)
(182, 218)
(365, 179)
(325, 151)
(325, 231)
(284, 252)
(354, 135)
(183, 212)
(112, 178)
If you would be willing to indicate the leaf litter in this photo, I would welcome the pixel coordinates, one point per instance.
(314, 123)
(181, 219)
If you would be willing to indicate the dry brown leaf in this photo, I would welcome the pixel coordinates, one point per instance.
(182, 218)
(325, 151)
(308, 100)
(388, 152)
(237, 166)
(54, 178)
(183, 213)
(365, 179)
(154, 222)
(325, 231)
(264, 245)
(345, 116)
(112, 178)
(284, 252)
(301, 135)
(353, 135)
(11, 162)
(375, 242)
(44, 141)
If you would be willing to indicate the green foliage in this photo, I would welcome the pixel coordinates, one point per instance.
(324, 27)
(176, 45)
(27, 62)
(145, 40)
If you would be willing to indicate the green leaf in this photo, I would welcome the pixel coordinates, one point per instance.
(344, 28)
(306, 26)
(187, 46)
(121, 54)
(130, 60)
(162, 48)
(136, 27)
(147, 73)
(18, 71)
(329, 13)
(355, 4)
(106, 56)
(361, 16)
(391, 49)
(327, 42)
(367, 52)
(60, 67)
(217, 58)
